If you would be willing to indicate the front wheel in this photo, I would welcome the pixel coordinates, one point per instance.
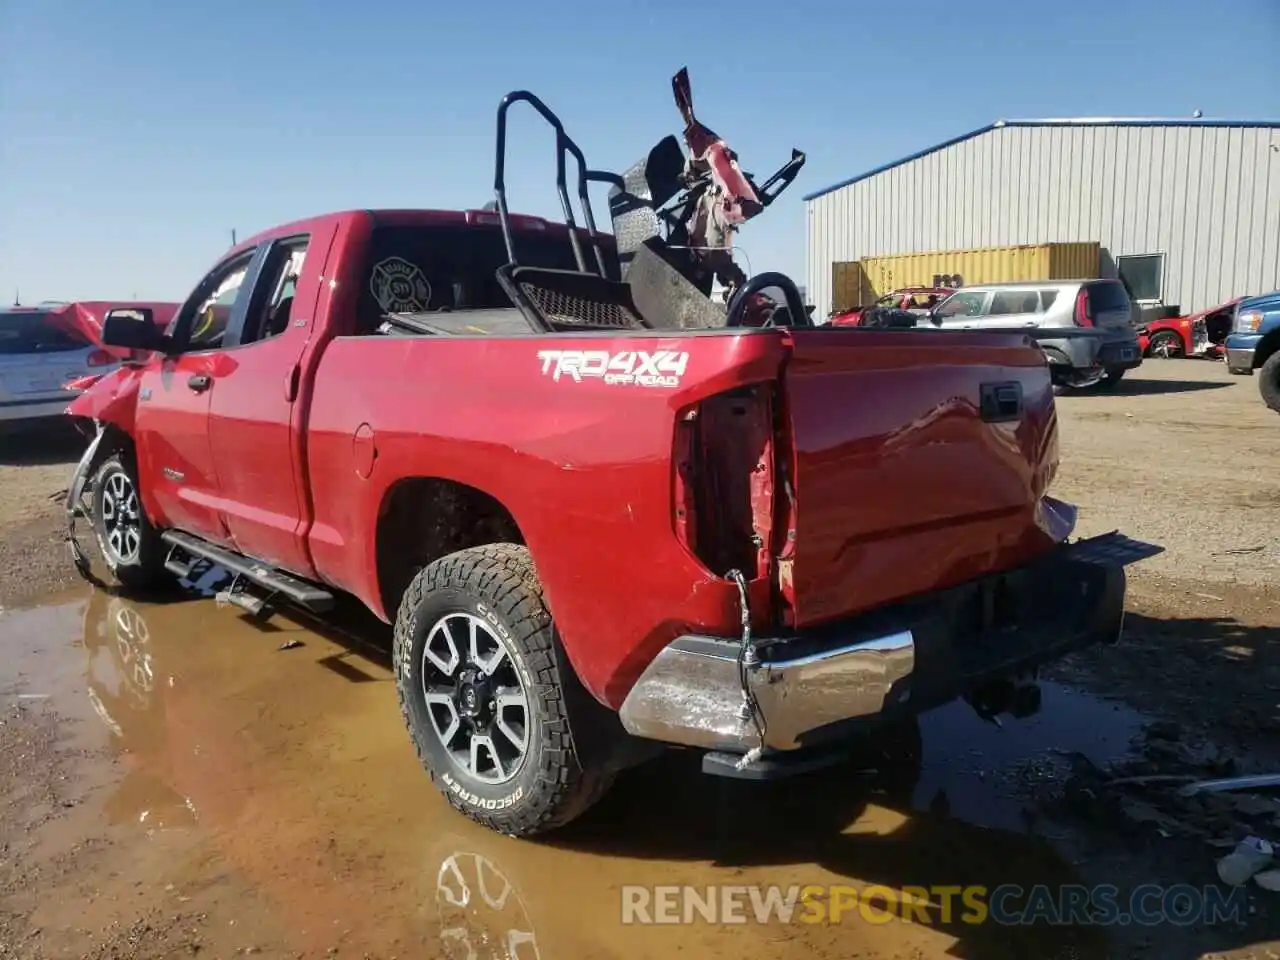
(1166, 344)
(1269, 381)
(130, 546)
(483, 696)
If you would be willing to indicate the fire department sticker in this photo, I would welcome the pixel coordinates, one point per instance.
(399, 286)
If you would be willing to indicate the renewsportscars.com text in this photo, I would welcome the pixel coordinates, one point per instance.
(1007, 904)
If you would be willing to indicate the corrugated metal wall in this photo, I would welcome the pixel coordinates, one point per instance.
(1206, 197)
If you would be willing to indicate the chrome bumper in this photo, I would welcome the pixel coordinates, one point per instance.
(744, 697)
(692, 693)
(1240, 360)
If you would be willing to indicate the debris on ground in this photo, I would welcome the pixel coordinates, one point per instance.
(1164, 792)
(1249, 857)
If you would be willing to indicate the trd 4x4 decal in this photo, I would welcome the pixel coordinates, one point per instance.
(661, 368)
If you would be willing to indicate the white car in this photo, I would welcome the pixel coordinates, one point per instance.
(43, 347)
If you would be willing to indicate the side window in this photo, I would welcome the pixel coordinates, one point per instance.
(271, 310)
(1047, 297)
(1006, 302)
(203, 319)
(968, 303)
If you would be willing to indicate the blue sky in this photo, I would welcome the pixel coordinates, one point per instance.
(134, 137)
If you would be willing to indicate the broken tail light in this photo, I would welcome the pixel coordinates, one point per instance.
(726, 509)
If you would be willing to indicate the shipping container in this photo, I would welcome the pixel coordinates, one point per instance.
(860, 282)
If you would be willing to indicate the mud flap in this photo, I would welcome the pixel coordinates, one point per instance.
(79, 480)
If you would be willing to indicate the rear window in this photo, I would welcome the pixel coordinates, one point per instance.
(425, 268)
(1107, 297)
(34, 332)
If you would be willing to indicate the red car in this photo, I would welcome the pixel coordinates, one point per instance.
(603, 515)
(1199, 334)
(914, 299)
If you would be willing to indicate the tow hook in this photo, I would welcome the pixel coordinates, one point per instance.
(1018, 699)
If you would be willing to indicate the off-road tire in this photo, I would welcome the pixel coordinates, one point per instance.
(1269, 381)
(145, 568)
(498, 583)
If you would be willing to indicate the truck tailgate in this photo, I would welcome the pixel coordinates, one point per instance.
(921, 459)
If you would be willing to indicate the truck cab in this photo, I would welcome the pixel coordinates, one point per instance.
(1254, 344)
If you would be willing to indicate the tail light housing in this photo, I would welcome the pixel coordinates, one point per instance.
(100, 358)
(729, 505)
(1082, 316)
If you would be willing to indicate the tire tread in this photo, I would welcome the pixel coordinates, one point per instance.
(503, 577)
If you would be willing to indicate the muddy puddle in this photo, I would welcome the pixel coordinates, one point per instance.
(264, 770)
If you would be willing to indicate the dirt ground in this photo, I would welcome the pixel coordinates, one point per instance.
(178, 781)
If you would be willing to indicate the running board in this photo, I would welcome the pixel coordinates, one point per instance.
(1112, 549)
(302, 592)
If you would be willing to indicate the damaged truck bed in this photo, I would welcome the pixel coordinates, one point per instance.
(606, 513)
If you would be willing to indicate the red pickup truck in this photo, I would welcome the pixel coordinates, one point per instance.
(605, 513)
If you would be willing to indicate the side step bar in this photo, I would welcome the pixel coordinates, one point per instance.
(1112, 549)
(302, 592)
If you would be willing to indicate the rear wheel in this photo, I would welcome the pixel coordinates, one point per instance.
(1111, 378)
(483, 696)
(1269, 381)
(130, 546)
(1166, 344)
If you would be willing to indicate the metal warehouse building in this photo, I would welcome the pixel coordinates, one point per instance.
(1187, 212)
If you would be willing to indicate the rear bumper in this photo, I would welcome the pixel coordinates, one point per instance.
(821, 686)
(1086, 349)
(1124, 354)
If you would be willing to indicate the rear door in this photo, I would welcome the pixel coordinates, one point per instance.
(1013, 309)
(180, 484)
(37, 356)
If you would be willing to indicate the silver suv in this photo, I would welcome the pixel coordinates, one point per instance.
(1085, 327)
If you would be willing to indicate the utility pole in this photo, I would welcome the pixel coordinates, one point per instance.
(233, 236)
(16, 301)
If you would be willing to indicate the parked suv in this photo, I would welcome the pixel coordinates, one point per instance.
(1085, 327)
(42, 348)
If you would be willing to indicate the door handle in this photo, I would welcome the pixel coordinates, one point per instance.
(199, 382)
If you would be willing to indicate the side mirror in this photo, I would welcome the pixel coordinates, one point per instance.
(132, 328)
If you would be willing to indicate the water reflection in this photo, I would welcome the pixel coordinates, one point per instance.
(307, 789)
(481, 913)
(120, 674)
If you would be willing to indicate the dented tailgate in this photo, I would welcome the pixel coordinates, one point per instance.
(921, 461)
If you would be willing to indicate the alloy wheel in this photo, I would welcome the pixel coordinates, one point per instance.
(121, 518)
(478, 705)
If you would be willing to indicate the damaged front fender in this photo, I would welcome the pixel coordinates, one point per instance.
(112, 399)
(110, 404)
